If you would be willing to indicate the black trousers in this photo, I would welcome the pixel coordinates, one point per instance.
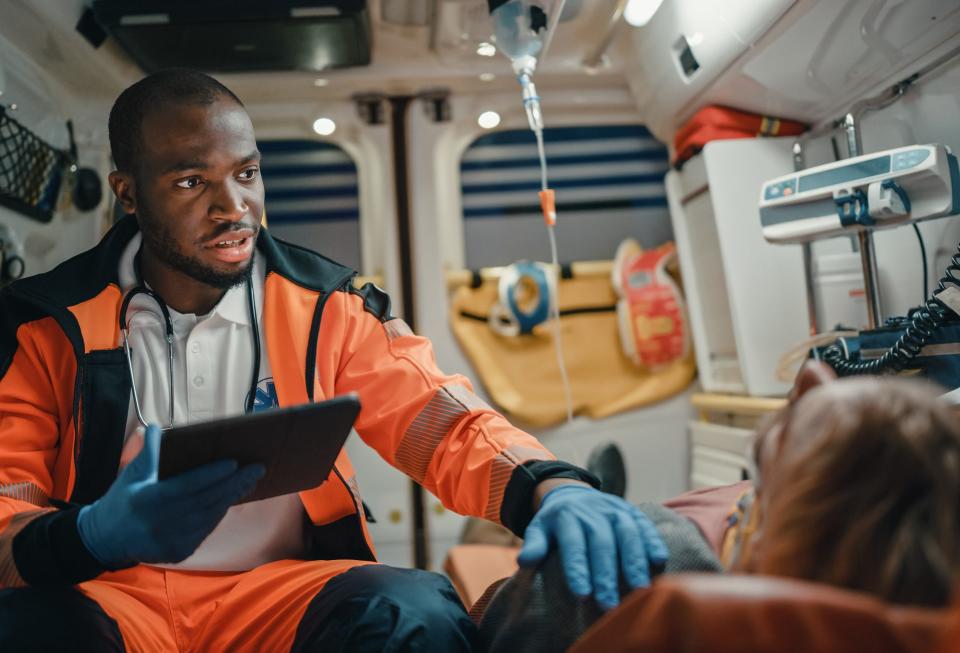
(370, 608)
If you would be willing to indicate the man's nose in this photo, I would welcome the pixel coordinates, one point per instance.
(229, 203)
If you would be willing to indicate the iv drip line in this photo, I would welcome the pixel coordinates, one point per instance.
(554, 259)
(520, 36)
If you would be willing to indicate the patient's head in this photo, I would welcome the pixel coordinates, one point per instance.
(861, 487)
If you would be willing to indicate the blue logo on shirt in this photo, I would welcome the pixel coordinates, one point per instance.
(266, 397)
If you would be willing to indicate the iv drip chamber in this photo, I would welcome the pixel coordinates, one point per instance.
(521, 29)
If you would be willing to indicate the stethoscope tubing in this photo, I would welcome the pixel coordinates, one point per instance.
(170, 338)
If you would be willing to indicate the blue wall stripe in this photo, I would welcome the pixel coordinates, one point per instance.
(343, 215)
(307, 189)
(615, 157)
(311, 193)
(626, 180)
(561, 134)
(287, 170)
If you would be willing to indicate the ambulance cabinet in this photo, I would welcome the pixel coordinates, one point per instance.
(746, 297)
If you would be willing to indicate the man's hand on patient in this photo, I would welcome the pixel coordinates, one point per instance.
(600, 537)
(142, 519)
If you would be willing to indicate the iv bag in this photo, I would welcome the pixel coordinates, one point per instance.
(520, 28)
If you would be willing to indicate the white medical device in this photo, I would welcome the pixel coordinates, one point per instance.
(873, 191)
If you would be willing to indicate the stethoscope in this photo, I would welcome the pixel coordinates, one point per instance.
(142, 289)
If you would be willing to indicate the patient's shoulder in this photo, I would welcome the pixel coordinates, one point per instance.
(709, 509)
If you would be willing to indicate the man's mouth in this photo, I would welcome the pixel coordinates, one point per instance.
(230, 243)
(233, 247)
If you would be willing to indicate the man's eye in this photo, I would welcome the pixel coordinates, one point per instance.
(249, 174)
(190, 182)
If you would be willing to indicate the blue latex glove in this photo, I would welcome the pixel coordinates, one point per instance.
(594, 532)
(141, 519)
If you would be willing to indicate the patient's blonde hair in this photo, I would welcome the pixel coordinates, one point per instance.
(867, 491)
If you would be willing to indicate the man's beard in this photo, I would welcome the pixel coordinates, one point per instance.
(162, 245)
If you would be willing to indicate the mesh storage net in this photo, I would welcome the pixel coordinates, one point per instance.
(31, 171)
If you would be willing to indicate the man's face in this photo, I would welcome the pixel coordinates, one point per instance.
(197, 191)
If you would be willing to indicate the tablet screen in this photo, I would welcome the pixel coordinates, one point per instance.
(297, 445)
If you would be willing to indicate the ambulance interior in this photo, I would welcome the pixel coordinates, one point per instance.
(396, 140)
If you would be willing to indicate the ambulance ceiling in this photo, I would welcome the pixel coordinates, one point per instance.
(415, 44)
(803, 59)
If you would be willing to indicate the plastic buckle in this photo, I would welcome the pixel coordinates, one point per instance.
(892, 184)
(852, 209)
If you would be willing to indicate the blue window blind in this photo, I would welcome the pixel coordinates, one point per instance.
(609, 185)
(312, 197)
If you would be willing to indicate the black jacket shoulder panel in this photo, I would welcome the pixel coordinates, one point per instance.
(74, 281)
(376, 301)
(13, 313)
(304, 267)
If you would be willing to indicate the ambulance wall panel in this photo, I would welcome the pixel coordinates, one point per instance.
(312, 197)
(608, 181)
(41, 103)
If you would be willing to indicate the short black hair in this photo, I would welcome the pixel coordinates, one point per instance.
(153, 93)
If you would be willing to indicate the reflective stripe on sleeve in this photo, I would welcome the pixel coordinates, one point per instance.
(501, 468)
(26, 491)
(9, 576)
(425, 433)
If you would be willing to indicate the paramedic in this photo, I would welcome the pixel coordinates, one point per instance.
(124, 561)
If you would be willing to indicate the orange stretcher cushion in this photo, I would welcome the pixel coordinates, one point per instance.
(714, 123)
(749, 614)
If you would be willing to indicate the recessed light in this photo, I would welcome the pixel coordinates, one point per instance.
(324, 126)
(488, 119)
(639, 12)
(320, 82)
(487, 77)
(486, 49)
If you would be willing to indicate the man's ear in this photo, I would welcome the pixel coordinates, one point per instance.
(812, 374)
(124, 187)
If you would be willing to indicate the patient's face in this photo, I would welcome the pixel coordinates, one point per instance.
(816, 388)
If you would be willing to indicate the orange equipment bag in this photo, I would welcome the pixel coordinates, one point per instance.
(714, 123)
(654, 332)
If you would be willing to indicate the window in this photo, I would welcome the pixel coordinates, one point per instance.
(312, 198)
(609, 186)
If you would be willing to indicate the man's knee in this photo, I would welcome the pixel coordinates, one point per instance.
(55, 619)
(370, 606)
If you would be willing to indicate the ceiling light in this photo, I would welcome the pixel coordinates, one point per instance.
(639, 12)
(487, 77)
(486, 49)
(324, 126)
(489, 119)
(320, 82)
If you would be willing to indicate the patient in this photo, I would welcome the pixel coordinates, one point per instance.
(858, 487)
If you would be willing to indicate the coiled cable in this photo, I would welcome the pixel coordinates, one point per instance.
(922, 325)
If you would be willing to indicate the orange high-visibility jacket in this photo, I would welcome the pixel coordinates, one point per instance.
(65, 388)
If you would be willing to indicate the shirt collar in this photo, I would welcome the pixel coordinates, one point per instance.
(232, 307)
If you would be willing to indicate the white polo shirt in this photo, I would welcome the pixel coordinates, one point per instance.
(213, 359)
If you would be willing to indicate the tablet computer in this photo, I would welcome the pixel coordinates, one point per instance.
(297, 445)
